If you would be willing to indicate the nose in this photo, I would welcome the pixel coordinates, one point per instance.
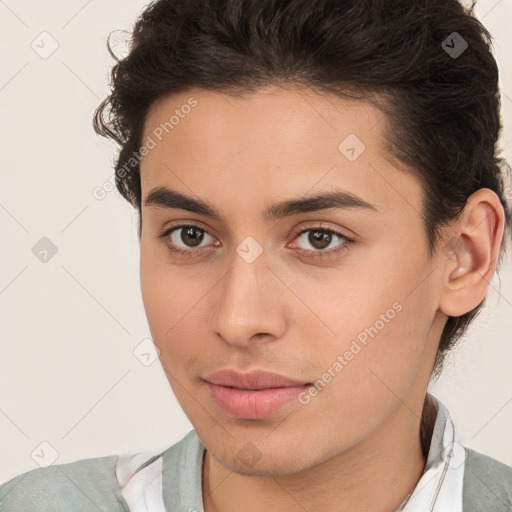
(248, 305)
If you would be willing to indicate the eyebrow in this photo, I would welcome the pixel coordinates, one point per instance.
(167, 198)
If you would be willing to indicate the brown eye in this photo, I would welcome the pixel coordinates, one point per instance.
(186, 239)
(321, 238)
(322, 243)
(191, 236)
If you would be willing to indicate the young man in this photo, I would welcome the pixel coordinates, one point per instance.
(321, 212)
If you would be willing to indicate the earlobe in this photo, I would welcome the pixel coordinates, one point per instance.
(470, 256)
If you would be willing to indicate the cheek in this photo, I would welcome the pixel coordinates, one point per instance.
(162, 293)
(157, 295)
(172, 300)
(369, 329)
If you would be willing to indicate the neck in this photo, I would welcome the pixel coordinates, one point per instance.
(374, 476)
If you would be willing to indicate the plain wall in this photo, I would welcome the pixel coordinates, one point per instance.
(69, 326)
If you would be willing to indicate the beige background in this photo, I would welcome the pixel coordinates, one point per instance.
(68, 374)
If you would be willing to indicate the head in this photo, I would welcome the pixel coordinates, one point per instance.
(254, 114)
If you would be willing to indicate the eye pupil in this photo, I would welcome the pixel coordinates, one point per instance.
(320, 236)
(189, 238)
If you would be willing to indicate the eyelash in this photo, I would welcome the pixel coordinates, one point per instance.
(347, 242)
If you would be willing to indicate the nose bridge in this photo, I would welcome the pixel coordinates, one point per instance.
(245, 302)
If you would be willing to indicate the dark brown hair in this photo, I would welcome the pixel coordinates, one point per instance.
(442, 109)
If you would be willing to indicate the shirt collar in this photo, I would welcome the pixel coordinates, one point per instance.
(441, 483)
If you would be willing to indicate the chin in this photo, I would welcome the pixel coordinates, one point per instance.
(250, 461)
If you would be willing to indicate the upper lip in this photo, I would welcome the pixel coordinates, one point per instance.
(257, 379)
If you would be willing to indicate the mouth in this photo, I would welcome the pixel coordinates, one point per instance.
(255, 395)
(252, 381)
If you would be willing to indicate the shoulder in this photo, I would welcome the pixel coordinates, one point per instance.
(85, 485)
(487, 483)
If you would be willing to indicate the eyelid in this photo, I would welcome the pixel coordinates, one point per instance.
(322, 225)
(167, 230)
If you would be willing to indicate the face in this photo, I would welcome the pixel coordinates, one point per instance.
(340, 296)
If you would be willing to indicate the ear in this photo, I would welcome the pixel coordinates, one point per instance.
(471, 254)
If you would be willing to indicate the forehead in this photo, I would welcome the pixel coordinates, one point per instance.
(274, 142)
(272, 118)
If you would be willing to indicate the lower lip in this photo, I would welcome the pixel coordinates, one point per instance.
(254, 404)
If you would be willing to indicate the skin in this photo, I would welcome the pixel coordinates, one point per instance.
(354, 446)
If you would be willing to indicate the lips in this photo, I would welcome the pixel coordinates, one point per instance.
(252, 396)
(255, 380)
